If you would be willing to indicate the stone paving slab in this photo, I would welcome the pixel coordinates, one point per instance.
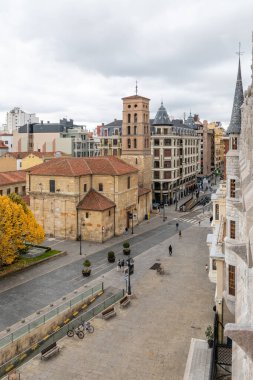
(151, 338)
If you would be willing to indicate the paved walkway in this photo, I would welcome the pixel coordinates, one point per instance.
(151, 338)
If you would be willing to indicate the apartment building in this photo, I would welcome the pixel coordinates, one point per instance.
(176, 157)
(16, 118)
(110, 138)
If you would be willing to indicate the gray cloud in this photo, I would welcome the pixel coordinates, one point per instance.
(79, 57)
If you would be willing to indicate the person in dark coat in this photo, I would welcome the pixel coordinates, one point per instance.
(170, 250)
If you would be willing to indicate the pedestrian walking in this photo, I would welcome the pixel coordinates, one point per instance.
(177, 225)
(122, 265)
(118, 265)
(211, 219)
(170, 250)
(199, 222)
(206, 267)
(180, 233)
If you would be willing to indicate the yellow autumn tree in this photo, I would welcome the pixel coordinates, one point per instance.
(17, 226)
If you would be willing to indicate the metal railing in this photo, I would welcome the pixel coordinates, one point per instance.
(27, 328)
(55, 336)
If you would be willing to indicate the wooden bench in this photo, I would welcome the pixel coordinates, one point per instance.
(108, 313)
(124, 301)
(51, 350)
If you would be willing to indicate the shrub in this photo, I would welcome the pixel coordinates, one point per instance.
(126, 244)
(111, 255)
(87, 263)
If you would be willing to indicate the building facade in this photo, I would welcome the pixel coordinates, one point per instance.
(176, 158)
(13, 182)
(7, 139)
(110, 139)
(231, 243)
(96, 198)
(16, 118)
(64, 136)
(136, 140)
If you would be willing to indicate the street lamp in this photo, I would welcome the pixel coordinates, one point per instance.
(129, 265)
(80, 235)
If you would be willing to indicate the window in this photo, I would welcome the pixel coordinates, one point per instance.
(156, 152)
(85, 187)
(156, 142)
(135, 117)
(135, 143)
(167, 175)
(167, 141)
(231, 280)
(1, 192)
(232, 229)
(100, 187)
(234, 143)
(16, 190)
(129, 130)
(135, 130)
(52, 186)
(156, 175)
(23, 189)
(129, 118)
(167, 164)
(167, 152)
(8, 191)
(156, 164)
(214, 266)
(109, 213)
(232, 188)
(129, 144)
(128, 182)
(217, 212)
(136, 161)
(87, 215)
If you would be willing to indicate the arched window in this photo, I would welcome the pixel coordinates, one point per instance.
(135, 130)
(135, 117)
(129, 144)
(129, 130)
(129, 118)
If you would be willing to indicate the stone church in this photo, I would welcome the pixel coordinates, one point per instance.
(99, 197)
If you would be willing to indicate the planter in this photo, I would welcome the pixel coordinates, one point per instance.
(210, 343)
(126, 251)
(86, 272)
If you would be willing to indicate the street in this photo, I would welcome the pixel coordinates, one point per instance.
(27, 296)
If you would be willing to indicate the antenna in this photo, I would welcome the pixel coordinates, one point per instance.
(136, 88)
(239, 52)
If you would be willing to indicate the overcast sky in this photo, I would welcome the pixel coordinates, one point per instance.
(78, 58)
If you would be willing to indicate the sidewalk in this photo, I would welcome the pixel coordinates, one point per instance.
(151, 338)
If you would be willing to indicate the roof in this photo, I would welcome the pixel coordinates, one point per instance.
(142, 191)
(115, 123)
(75, 166)
(21, 155)
(95, 201)
(135, 97)
(9, 178)
(162, 117)
(235, 122)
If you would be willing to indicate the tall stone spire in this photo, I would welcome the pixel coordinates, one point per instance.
(235, 122)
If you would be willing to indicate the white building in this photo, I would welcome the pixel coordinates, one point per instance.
(231, 244)
(16, 118)
(7, 138)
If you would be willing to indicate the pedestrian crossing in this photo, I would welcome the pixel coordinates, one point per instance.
(194, 219)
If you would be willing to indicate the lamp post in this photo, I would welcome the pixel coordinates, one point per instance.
(129, 283)
(80, 235)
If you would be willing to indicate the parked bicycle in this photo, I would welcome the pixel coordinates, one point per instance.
(86, 327)
(76, 331)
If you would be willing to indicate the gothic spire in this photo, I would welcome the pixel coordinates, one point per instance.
(235, 122)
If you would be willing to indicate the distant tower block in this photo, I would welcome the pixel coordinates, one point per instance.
(136, 145)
